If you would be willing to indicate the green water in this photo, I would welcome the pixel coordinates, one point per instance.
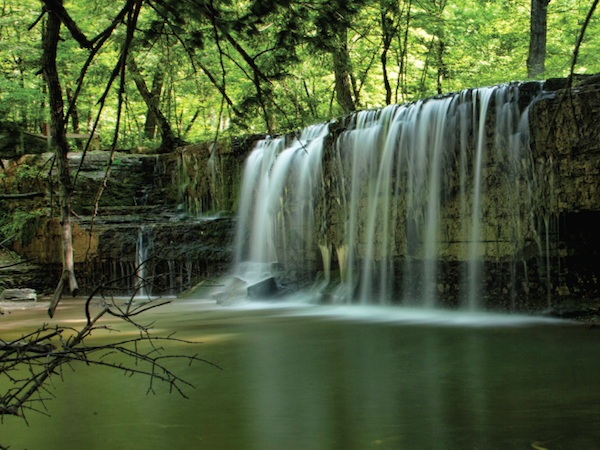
(292, 380)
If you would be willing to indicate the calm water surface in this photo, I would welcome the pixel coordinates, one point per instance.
(325, 378)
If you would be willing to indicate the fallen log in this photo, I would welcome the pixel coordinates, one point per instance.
(21, 196)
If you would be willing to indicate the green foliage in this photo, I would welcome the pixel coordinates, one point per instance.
(20, 221)
(27, 172)
(273, 59)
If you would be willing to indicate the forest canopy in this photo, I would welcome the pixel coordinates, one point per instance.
(202, 68)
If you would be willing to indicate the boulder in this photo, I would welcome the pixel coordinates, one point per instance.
(268, 288)
(18, 295)
(231, 289)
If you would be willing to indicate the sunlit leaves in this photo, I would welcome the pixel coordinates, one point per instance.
(447, 45)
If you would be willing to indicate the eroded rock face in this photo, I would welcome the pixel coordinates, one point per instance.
(208, 175)
(139, 218)
(172, 256)
(565, 140)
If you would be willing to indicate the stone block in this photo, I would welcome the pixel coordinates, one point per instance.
(266, 289)
(19, 295)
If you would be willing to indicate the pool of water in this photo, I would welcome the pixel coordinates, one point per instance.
(312, 377)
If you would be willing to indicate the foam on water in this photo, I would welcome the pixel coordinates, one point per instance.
(306, 305)
(423, 316)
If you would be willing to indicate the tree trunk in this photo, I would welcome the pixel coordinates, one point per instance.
(401, 85)
(441, 66)
(341, 69)
(157, 85)
(386, 81)
(74, 116)
(55, 102)
(169, 141)
(537, 39)
(387, 32)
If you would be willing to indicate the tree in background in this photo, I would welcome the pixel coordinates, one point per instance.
(154, 116)
(274, 65)
(537, 39)
(155, 93)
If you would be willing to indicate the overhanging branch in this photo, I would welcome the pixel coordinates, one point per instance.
(57, 8)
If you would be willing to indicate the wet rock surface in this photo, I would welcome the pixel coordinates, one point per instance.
(138, 218)
(573, 308)
(269, 289)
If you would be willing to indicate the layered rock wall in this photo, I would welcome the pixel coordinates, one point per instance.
(139, 217)
(565, 140)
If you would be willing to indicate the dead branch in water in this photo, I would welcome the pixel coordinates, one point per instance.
(32, 362)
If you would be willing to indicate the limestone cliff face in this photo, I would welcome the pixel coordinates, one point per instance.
(565, 140)
(140, 217)
(208, 175)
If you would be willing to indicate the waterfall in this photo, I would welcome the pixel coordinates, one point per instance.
(279, 174)
(396, 201)
(474, 277)
(214, 185)
(143, 248)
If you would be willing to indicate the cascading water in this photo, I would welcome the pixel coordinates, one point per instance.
(144, 247)
(396, 193)
(278, 176)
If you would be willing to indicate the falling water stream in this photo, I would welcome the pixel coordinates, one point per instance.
(143, 248)
(417, 184)
(262, 215)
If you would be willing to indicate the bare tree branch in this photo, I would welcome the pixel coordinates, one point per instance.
(567, 90)
(580, 38)
(98, 42)
(17, 263)
(29, 363)
(220, 87)
(32, 26)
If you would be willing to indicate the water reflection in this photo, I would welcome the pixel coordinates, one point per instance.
(293, 381)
